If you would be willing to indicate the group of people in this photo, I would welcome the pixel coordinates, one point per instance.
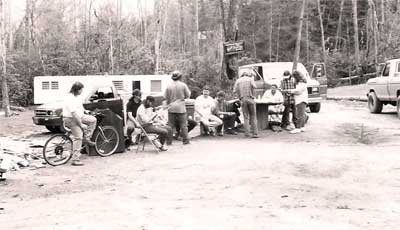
(215, 116)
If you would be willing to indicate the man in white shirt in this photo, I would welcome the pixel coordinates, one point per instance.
(204, 106)
(82, 125)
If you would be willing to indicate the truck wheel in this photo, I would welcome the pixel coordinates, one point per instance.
(374, 104)
(315, 108)
(398, 107)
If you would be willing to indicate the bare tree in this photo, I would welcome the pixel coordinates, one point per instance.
(297, 49)
(4, 85)
(338, 30)
(322, 31)
(374, 26)
(356, 41)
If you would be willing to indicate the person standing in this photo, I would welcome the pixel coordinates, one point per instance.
(301, 99)
(175, 95)
(81, 125)
(288, 83)
(244, 88)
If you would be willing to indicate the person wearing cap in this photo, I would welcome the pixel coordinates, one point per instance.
(147, 119)
(175, 95)
(225, 111)
(244, 88)
(204, 106)
(288, 83)
(131, 108)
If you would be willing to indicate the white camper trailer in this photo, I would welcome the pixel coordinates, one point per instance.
(48, 89)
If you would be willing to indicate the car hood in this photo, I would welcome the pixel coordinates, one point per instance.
(50, 106)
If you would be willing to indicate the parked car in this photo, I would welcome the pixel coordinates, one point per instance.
(385, 89)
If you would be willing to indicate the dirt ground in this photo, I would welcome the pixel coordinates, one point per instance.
(342, 173)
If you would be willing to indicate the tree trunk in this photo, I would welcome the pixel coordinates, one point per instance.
(307, 37)
(382, 12)
(298, 40)
(254, 34)
(4, 84)
(338, 30)
(157, 8)
(196, 32)
(270, 30)
(322, 32)
(111, 51)
(356, 39)
(374, 26)
(278, 38)
(181, 27)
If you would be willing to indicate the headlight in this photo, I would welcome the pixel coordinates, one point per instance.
(315, 89)
(50, 113)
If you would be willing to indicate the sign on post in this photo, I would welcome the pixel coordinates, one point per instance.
(233, 47)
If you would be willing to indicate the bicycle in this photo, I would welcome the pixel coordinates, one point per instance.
(58, 149)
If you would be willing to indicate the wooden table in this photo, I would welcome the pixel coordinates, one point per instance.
(262, 113)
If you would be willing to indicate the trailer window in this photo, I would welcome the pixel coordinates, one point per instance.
(45, 85)
(155, 85)
(54, 85)
(103, 93)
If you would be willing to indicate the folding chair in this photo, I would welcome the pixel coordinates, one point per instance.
(144, 137)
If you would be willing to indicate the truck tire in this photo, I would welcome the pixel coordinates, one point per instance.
(315, 108)
(374, 104)
(398, 107)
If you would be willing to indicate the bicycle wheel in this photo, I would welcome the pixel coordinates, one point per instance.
(58, 150)
(106, 140)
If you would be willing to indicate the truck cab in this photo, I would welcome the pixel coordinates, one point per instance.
(271, 73)
(385, 88)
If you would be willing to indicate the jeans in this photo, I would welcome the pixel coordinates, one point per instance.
(300, 115)
(164, 132)
(78, 134)
(286, 114)
(249, 113)
(179, 120)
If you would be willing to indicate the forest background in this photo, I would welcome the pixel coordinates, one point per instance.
(83, 37)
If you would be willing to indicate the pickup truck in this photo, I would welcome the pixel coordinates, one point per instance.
(385, 89)
(98, 95)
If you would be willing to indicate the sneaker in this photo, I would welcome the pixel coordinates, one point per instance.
(254, 136)
(303, 129)
(220, 134)
(186, 142)
(77, 163)
(163, 148)
(294, 131)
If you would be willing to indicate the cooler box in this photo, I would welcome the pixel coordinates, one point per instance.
(189, 103)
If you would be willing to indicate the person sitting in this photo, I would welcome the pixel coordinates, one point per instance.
(147, 118)
(131, 108)
(224, 110)
(203, 106)
(273, 95)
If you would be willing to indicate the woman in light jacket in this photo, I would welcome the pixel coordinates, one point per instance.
(301, 100)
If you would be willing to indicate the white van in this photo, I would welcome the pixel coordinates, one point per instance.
(271, 73)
